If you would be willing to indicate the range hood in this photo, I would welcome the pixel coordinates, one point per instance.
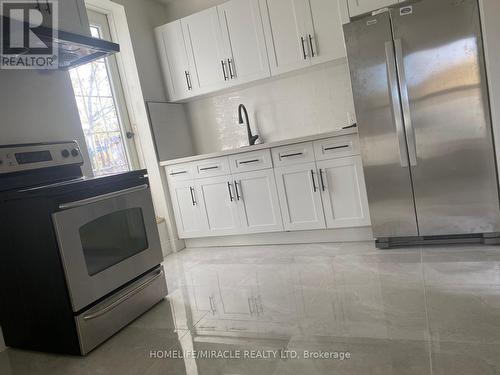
(70, 50)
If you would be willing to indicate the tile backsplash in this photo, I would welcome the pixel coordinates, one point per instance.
(313, 101)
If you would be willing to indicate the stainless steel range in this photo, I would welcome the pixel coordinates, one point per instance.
(80, 257)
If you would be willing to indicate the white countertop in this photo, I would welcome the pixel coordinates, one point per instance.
(262, 146)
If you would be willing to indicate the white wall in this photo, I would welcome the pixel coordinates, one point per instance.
(39, 107)
(308, 102)
(142, 17)
(181, 8)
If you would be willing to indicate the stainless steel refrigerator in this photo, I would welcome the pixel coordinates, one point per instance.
(422, 107)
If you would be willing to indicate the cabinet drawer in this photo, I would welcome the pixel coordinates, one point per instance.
(212, 167)
(180, 172)
(293, 154)
(337, 147)
(250, 161)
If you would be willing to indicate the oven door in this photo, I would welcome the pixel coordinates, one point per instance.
(106, 241)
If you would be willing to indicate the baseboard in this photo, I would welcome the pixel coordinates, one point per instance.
(286, 238)
(177, 244)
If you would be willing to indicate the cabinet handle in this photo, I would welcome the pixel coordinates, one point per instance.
(224, 70)
(315, 188)
(290, 155)
(230, 192)
(335, 147)
(303, 47)
(311, 44)
(176, 173)
(249, 161)
(209, 168)
(47, 7)
(212, 305)
(230, 65)
(188, 80)
(322, 181)
(258, 302)
(191, 189)
(238, 196)
(38, 6)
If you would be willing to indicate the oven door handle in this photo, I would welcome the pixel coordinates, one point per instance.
(123, 298)
(102, 197)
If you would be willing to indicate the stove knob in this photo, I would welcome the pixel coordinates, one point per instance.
(75, 152)
(65, 153)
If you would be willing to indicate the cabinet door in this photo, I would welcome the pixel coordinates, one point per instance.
(344, 193)
(218, 197)
(173, 56)
(237, 284)
(188, 212)
(300, 197)
(285, 30)
(325, 36)
(243, 34)
(357, 7)
(258, 201)
(202, 33)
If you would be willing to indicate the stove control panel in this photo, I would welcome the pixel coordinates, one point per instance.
(17, 158)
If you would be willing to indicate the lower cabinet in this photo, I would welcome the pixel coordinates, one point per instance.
(300, 197)
(218, 200)
(189, 216)
(342, 185)
(310, 188)
(324, 194)
(258, 202)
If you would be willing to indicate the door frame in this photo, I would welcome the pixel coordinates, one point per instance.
(136, 106)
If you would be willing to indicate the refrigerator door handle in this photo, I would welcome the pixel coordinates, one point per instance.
(410, 132)
(395, 102)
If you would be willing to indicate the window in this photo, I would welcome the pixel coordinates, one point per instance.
(102, 110)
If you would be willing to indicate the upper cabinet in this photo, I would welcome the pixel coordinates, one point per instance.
(242, 41)
(302, 32)
(357, 7)
(245, 46)
(285, 27)
(174, 61)
(205, 50)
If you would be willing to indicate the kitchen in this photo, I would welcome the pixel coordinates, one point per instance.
(282, 224)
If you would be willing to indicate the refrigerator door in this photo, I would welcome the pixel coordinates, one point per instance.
(444, 98)
(378, 110)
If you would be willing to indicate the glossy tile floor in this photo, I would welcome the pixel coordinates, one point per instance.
(403, 311)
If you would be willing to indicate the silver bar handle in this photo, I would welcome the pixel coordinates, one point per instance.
(313, 54)
(102, 197)
(410, 132)
(123, 298)
(395, 102)
(304, 54)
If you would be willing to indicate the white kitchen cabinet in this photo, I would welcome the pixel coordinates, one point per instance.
(324, 31)
(217, 195)
(343, 190)
(245, 46)
(302, 32)
(300, 197)
(285, 30)
(187, 205)
(174, 60)
(258, 202)
(357, 7)
(206, 52)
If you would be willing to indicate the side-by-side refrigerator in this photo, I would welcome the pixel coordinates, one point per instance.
(421, 99)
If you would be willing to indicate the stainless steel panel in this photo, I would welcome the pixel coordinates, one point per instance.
(109, 316)
(442, 71)
(83, 287)
(379, 120)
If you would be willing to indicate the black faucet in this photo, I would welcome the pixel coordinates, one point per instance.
(251, 138)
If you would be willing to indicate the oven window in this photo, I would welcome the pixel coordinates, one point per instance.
(113, 238)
